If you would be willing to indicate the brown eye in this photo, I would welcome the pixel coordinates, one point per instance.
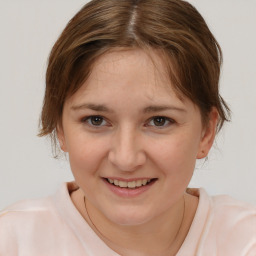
(95, 120)
(159, 121)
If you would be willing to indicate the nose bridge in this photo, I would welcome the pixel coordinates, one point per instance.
(126, 150)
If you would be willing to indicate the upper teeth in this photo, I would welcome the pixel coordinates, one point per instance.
(129, 184)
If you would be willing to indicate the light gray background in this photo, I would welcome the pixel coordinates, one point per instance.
(28, 29)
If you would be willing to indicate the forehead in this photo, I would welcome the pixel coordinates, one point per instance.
(136, 70)
(128, 83)
(127, 57)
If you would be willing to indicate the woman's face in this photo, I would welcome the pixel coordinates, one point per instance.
(126, 125)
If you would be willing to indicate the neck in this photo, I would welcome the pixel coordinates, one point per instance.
(161, 236)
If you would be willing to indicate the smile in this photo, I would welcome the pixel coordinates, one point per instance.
(130, 184)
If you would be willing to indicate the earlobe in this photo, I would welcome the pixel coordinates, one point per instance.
(208, 134)
(61, 138)
(201, 154)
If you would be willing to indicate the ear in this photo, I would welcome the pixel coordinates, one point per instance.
(208, 134)
(61, 138)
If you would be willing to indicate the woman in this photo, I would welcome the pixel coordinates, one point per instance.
(132, 96)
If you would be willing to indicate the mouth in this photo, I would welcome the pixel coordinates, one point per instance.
(134, 184)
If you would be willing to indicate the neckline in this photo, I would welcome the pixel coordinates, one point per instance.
(71, 216)
(195, 233)
(94, 244)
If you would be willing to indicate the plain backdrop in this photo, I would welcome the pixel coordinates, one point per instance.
(28, 30)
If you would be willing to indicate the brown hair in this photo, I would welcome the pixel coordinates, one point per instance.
(172, 26)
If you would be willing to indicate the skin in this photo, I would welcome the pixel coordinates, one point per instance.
(127, 92)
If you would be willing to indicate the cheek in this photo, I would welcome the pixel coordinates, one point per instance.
(176, 154)
(86, 153)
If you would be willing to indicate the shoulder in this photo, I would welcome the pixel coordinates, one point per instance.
(233, 213)
(19, 211)
(42, 226)
(231, 224)
(28, 210)
(32, 224)
(35, 209)
(221, 226)
(20, 221)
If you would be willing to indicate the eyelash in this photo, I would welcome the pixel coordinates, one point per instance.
(88, 120)
(167, 120)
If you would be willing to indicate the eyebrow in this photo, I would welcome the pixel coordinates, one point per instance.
(103, 108)
(151, 109)
(95, 107)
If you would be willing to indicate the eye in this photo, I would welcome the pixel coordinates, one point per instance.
(160, 121)
(95, 121)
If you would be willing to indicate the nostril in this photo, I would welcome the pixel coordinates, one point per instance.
(127, 160)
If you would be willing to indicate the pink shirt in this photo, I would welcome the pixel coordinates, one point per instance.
(52, 226)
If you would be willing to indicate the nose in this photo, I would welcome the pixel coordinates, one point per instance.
(126, 150)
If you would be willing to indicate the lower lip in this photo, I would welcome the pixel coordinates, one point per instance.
(129, 192)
